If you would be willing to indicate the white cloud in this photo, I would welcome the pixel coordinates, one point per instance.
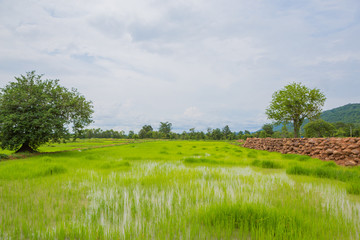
(142, 62)
(193, 113)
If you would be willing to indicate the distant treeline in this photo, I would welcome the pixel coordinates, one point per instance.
(165, 132)
(318, 128)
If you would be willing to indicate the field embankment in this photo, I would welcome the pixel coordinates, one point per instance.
(344, 151)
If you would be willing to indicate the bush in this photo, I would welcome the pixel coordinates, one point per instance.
(3, 156)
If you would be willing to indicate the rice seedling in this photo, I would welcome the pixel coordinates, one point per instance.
(208, 192)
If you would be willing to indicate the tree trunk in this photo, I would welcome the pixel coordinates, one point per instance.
(296, 129)
(25, 148)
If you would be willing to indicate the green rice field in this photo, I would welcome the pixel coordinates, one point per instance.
(121, 189)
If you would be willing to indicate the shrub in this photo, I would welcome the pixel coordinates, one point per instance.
(3, 156)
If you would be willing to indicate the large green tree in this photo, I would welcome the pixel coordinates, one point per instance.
(268, 128)
(34, 111)
(295, 103)
(146, 131)
(165, 129)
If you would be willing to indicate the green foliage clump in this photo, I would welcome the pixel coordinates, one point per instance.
(3, 156)
(35, 111)
(319, 128)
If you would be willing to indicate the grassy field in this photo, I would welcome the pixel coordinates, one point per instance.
(175, 190)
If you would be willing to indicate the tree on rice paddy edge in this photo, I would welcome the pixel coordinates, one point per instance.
(35, 111)
(295, 103)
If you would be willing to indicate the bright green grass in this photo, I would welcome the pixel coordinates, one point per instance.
(173, 190)
(78, 144)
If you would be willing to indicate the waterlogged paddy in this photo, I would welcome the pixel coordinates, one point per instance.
(172, 190)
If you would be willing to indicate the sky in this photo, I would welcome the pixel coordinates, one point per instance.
(194, 63)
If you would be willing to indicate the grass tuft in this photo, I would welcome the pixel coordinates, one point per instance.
(252, 154)
(51, 170)
(266, 164)
(298, 170)
(353, 188)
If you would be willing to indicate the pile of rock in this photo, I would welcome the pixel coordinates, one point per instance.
(344, 151)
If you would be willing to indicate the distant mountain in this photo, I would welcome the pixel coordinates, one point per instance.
(349, 113)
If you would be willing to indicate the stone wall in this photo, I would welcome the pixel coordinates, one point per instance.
(344, 151)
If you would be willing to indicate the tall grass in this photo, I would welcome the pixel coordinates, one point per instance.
(136, 191)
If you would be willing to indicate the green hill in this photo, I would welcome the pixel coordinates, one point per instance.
(349, 113)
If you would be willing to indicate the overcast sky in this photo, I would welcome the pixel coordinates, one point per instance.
(195, 63)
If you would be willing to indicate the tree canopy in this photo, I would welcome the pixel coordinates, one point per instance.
(319, 128)
(165, 129)
(35, 111)
(146, 131)
(295, 103)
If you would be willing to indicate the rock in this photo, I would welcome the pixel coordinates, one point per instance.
(350, 163)
(337, 153)
(340, 150)
(353, 146)
(355, 151)
(329, 151)
(347, 151)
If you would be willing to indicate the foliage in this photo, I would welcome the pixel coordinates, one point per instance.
(268, 128)
(226, 132)
(146, 131)
(99, 133)
(319, 128)
(295, 103)
(3, 156)
(35, 111)
(165, 129)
